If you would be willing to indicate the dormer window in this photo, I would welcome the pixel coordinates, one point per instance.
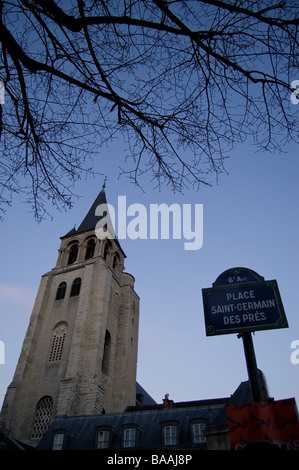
(198, 430)
(129, 437)
(102, 438)
(170, 435)
(58, 440)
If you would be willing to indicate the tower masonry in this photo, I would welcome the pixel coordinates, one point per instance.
(79, 355)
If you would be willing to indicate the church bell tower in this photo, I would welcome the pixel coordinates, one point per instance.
(79, 355)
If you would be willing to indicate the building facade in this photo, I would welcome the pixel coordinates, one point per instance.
(79, 355)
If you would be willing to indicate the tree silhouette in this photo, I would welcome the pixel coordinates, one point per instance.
(183, 81)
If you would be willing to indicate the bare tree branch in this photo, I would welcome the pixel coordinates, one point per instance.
(182, 81)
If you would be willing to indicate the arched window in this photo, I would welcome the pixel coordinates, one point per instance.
(90, 248)
(73, 253)
(106, 355)
(107, 248)
(43, 414)
(61, 291)
(58, 342)
(115, 260)
(76, 286)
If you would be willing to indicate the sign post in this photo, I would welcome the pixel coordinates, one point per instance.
(241, 302)
(253, 374)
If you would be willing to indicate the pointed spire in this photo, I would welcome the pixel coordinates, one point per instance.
(90, 220)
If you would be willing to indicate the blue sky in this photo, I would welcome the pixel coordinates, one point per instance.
(250, 220)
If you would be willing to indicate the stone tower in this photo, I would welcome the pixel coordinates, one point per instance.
(79, 355)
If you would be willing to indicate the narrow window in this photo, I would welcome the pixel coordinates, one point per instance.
(106, 354)
(90, 249)
(73, 253)
(170, 435)
(58, 441)
(115, 260)
(198, 433)
(129, 438)
(106, 250)
(76, 286)
(43, 414)
(60, 294)
(58, 342)
(102, 441)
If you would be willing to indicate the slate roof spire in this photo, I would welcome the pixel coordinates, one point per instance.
(90, 220)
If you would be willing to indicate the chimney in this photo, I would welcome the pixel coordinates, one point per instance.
(167, 404)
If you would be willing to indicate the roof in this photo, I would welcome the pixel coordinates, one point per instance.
(9, 443)
(90, 220)
(210, 402)
(80, 431)
(148, 418)
(142, 397)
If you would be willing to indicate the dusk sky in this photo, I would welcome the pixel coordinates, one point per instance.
(250, 219)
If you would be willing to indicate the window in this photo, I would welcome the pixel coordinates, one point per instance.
(90, 249)
(116, 260)
(129, 437)
(107, 248)
(43, 413)
(73, 253)
(61, 291)
(198, 433)
(58, 441)
(58, 342)
(170, 435)
(106, 354)
(102, 440)
(76, 286)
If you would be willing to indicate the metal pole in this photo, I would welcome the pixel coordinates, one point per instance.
(253, 374)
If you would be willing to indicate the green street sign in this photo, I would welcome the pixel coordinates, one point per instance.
(241, 300)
